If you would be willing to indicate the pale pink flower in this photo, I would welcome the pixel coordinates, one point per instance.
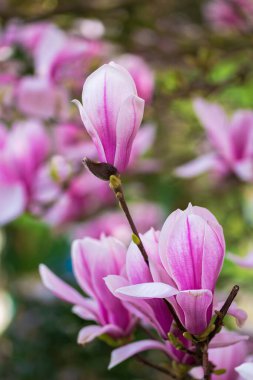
(112, 113)
(231, 142)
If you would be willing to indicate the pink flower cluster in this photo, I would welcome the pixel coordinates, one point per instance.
(185, 259)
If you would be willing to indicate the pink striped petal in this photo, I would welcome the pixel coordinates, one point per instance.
(148, 290)
(195, 305)
(128, 123)
(239, 314)
(123, 353)
(227, 338)
(196, 167)
(89, 333)
(59, 288)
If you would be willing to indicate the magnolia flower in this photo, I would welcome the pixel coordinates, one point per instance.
(151, 312)
(185, 267)
(111, 113)
(141, 73)
(231, 141)
(93, 260)
(229, 16)
(23, 151)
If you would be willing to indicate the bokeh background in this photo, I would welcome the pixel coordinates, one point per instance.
(189, 57)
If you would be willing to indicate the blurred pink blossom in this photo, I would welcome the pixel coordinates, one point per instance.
(229, 15)
(231, 141)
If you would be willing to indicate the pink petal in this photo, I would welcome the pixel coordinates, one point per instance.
(148, 290)
(136, 268)
(91, 130)
(244, 262)
(128, 122)
(227, 338)
(245, 371)
(195, 305)
(59, 288)
(123, 353)
(239, 314)
(196, 167)
(88, 310)
(244, 169)
(89, 333)
(216, 124)
(12, 202)
(140, 308)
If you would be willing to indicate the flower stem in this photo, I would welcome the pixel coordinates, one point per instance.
(205, 362)
(116, 186)
(223, 311)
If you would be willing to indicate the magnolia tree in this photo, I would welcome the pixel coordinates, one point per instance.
(163, 281)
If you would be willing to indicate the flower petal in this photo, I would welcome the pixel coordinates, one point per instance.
(89, 333)
(128, 122)
(148, 290)
(59, 288)
(123, 353)
(196, 167)
(12, 202)
(245, 371)
(227, 338)
(244, 262)
(195, 305)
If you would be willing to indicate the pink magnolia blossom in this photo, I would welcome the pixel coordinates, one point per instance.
(111, 113)
(151, 311)
(186, 266)
(227, 16)
(231, 141)
(141, 73)
(92, 260)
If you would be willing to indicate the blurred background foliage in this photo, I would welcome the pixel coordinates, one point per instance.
(189, 60)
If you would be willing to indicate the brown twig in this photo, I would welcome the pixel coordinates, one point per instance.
(119, 193)
(223, 311)
(207, 368)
